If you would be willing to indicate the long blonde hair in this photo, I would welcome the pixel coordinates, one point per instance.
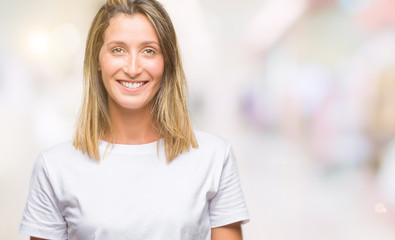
(169, 106)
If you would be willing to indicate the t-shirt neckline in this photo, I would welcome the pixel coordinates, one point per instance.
(130, 148)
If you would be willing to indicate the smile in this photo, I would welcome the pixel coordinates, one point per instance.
(132, 85)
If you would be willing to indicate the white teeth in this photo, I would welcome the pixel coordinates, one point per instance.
(132, 85)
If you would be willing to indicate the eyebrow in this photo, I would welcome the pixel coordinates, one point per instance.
(142, 43)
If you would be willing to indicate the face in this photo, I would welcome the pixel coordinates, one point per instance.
(131, 62)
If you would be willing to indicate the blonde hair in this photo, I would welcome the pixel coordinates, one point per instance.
(169, 106)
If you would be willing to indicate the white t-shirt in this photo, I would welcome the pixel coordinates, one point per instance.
(133, 193)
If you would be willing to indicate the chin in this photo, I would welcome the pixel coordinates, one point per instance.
(134, 106)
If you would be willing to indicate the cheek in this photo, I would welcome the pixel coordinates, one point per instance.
(156, 68)
(109, 66)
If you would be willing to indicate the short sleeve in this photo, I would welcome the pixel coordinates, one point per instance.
(228, 205)
(42, 217)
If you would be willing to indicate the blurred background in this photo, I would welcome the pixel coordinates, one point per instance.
(303, 89)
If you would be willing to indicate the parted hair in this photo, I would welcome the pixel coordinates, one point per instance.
(168, 107)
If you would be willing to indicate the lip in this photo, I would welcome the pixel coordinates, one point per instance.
(132, 90)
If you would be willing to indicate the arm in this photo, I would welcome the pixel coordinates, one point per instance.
(42, 218)
(228, 232)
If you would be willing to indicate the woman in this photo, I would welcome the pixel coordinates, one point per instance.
(136, 169)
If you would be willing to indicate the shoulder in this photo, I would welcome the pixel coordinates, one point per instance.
(209, 140)
(60, 151)
(62, 156)
(210, 143)
(60, 147)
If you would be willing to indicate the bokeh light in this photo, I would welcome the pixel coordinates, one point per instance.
(38, 43)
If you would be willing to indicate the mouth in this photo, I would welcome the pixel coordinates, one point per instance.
(132, 85)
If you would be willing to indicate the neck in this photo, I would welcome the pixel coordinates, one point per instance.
(131, 126)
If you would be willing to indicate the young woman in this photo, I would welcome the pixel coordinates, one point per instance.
(136, 169)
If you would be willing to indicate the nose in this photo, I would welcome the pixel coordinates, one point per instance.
(133, 66)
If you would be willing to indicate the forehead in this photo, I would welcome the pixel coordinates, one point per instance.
(126, 28)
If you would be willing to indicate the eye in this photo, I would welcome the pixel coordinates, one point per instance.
(149, 51)
(117, 51)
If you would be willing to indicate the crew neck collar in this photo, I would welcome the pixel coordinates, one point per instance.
(131, 148)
